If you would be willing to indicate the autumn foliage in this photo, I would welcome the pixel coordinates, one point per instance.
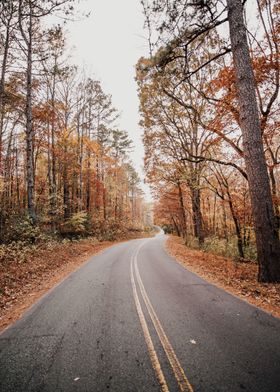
(64, 164)
(195, 157)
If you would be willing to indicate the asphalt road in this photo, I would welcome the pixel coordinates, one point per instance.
(132, 319)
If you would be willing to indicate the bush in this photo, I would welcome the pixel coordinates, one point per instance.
(76, 225)
(23, 229)
(109, 230)
(222, 247)
(18, 252)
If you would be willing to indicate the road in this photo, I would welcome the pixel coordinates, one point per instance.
(132, 319)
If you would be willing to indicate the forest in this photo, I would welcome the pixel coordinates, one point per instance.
(64, 163)
(209, 113)
(209, 103)
(159, 275)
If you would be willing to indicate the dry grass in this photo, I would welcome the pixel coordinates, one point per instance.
(238, 278)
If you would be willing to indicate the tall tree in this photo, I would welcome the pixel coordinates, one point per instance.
(183, 23)
(267, 237)
(29, 15)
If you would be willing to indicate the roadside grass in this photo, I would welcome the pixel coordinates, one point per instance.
(230, 274)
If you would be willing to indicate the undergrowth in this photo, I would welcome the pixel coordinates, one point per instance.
(23, 239)
(223, 247)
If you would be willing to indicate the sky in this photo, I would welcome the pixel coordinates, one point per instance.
(108, 44)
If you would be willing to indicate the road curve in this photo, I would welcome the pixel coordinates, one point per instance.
(132, 319)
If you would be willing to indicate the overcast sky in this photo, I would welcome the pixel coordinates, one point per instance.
(109, 43)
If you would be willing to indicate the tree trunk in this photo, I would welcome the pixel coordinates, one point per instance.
(103, 188)
(104, 203)
(275, 196)
(80, 134)
(225, 229)
(214, 215)
(197, 216)
(66, 188)
(53, 155)
(2, 88)
(88, 188)
(267, 239)
(175, 226)
(237, 227)
(182, 207)
(98, 185)
(29, 126)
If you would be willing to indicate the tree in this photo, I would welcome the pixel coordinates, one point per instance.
(8, 13)
(64, 165)
(184, 23)
(29, 15)
(54, 68)
(267, 237)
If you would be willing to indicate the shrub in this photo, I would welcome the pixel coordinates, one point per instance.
(75, 226)
(18, 252)
(22, 229)
(223, 247)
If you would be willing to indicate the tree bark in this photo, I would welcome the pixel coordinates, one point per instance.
(267, 239)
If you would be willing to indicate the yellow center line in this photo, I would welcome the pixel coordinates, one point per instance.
(179, 373)
(147, 336)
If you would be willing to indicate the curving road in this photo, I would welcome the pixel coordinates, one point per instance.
(132, 319)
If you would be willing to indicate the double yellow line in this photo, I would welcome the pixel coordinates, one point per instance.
(183, 383)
